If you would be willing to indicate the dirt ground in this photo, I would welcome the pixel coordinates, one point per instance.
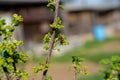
(60, 71)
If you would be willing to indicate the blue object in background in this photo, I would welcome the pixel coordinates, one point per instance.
(99, 32)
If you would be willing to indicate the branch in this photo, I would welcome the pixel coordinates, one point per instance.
(52, 39)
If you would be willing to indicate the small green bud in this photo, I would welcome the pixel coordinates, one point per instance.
(16, 19)
(61, 6)
(46, 39)
(2, 22)
(5, 54)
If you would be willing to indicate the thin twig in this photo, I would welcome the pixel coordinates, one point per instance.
(74, 74)
(14, 65)
(52, 40)
(7, 76)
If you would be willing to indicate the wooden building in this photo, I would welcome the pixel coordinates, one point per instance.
(83, 15)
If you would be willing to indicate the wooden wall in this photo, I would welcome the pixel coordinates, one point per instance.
(81, 22)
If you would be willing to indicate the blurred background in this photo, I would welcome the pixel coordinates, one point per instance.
(92, 27)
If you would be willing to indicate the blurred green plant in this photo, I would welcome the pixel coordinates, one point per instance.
(10, 55)
(112, 70)
(78, 67)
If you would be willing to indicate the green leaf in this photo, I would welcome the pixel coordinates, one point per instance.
(46, 47)
(51, 5)
(5, 54)
(49, 78)
(1, 61)
(57, 24)
(61, 6)
(105, 61)
(40, 67)
(46, 39)
(16, 19)
(58, 49)
(63, 40)
(115, 59)
(10, 60)
(2, 22)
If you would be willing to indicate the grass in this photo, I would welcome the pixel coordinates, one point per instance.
(88, 57)
(85, 52)
(94, 43)
(92, 77)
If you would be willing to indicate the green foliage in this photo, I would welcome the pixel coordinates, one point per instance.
(7, 30)
(10, 55)
(63, 40)
(61, 6)
(112, 70)
(57, 24)
(77, 65)
(52, 3)
(49, 78)
(23, 75)
(41, 67)
(16, 20)
(60, 39)
(46, 39)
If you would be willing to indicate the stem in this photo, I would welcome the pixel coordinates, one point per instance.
(51, 48)
(75, 74)
(14, 65)
(6, 73)
(56, 10)
(17, 77)
(7, 76)
(52, 41)
(49, 55)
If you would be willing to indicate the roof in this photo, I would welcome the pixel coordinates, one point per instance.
(22, 1)
(78, 5)
(19, 2)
